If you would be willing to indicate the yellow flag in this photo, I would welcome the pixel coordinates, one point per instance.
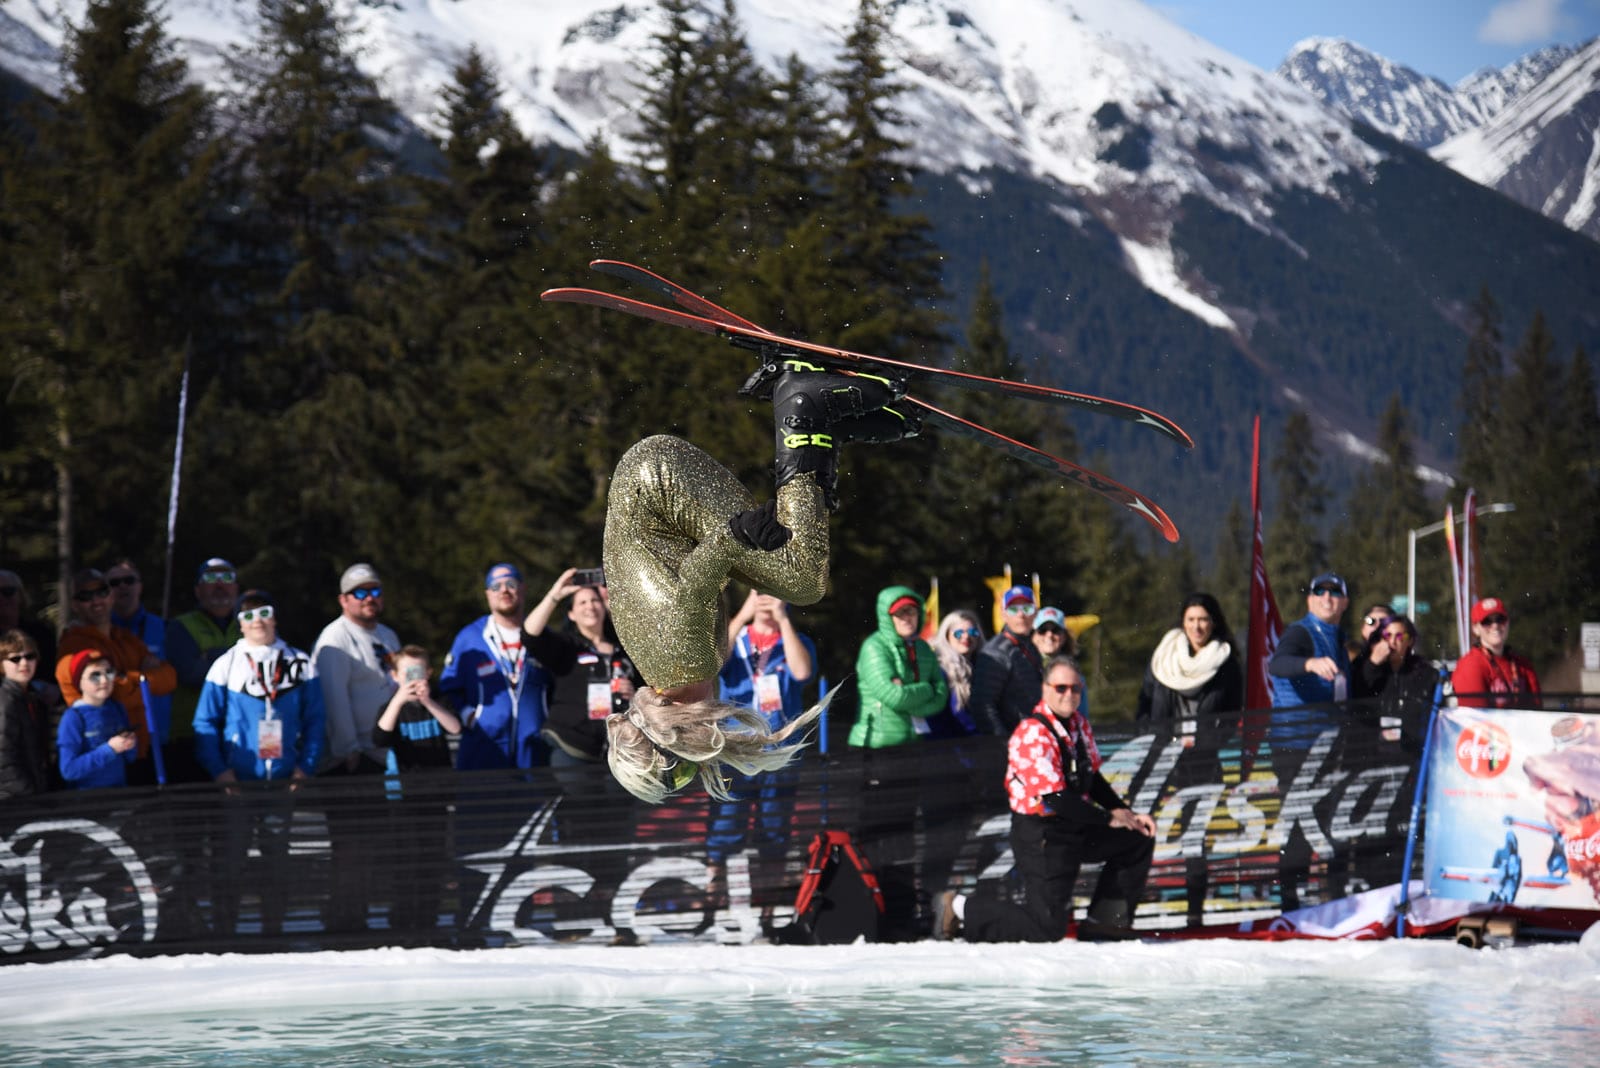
(930, 617)
(998, 585)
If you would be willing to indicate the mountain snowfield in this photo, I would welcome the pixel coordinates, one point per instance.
(1528, 130)
(1063, 90)
(1543, 149)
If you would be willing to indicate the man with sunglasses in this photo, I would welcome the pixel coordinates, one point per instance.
(1310, 672)
(1064, 814)
(498, 689)
(353, 655)
(196, 638)
(128, 611)
(1005, 680)
(1490, 674)
(130, 657)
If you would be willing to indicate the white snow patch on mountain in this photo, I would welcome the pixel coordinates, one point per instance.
(1154, 266)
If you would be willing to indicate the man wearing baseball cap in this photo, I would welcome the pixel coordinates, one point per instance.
(497, 688)
(1491, 675)
(1006, 678)
(1310, 672)
(194, 641)
(352, 663)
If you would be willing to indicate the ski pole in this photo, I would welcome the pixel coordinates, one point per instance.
(155, 734)
(1416, 810)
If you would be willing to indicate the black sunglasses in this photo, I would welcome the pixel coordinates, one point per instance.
(1066, 687)
(123, 580)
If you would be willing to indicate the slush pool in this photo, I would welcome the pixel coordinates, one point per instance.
(666, 1005)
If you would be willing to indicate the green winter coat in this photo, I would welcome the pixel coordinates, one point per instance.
(887, 707)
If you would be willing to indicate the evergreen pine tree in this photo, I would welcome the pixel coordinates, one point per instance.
(1384, 505)
(1482, 373)
(327, 383)
(106, 280)
(1294, 546)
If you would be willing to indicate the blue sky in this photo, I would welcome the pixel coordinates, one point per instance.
(1445, 38)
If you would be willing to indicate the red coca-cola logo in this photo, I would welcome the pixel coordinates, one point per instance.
(1584, 849)
(1484, 750)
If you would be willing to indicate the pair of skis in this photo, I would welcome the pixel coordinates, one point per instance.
(709, 318)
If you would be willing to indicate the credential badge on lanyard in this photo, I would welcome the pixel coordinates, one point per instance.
(269, 729)
(768, 687)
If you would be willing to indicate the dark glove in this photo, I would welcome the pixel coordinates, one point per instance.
(758, 528)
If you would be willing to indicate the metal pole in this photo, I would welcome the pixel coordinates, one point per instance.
(1411, 574)
(1423, 532)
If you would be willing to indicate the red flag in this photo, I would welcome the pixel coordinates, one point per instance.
(1266, 626)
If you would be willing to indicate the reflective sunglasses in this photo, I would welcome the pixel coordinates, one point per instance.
(1326, 591)
(123, 580)
(1066, 687)
(219, 576)
(1021, 609)
(99, 676)
(365, 592)
(1396, 636)
(22, 658)
(84, 596)
(1495, 621)
(250, 614)
(505, 586)
(966, 632)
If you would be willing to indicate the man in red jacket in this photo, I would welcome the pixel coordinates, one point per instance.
(1491, 674)
(1063, 814)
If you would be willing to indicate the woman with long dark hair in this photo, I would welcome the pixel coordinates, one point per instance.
(1193, 677)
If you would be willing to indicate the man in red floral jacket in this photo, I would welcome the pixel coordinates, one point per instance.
(1063, 814)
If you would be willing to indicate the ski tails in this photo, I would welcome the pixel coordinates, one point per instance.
(1113, 491)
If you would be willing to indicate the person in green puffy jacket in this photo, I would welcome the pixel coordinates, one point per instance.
(897, 674)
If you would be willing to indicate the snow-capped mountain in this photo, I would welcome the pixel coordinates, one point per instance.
(1107, 98)
(1415, 108)
(1527, 129)
(1544, 149)
(1410, 107)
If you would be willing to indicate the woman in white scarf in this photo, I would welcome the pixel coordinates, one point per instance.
(1194, 676)
(1193, 671)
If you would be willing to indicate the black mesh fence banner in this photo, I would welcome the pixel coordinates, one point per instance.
(1254, 814)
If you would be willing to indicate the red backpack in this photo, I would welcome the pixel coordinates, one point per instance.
(839, 899)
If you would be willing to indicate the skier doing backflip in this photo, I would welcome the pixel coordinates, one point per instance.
(678, 526)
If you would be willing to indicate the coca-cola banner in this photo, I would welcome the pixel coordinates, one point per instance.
(1514, 808)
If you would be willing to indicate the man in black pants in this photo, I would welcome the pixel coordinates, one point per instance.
(1063, 814)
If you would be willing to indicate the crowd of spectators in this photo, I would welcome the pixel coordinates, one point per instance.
(121, 696)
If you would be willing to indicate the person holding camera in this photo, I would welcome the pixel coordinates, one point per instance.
(416, 730)
(95, 740)
(1063, 814)
(593, 675)
(413, 726)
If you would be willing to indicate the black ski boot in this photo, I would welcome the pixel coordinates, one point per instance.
(814, 412)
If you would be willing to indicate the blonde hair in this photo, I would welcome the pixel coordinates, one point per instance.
(955, 665)
(655, 736)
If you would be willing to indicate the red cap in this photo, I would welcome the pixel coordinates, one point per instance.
(1489, 606)
(904, 602)
(80, 660)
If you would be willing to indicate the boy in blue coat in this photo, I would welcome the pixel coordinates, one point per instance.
(95, 739)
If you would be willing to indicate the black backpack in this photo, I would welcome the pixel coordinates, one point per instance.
(839, 899)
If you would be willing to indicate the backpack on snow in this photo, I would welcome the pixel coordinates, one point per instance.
(839, 899)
